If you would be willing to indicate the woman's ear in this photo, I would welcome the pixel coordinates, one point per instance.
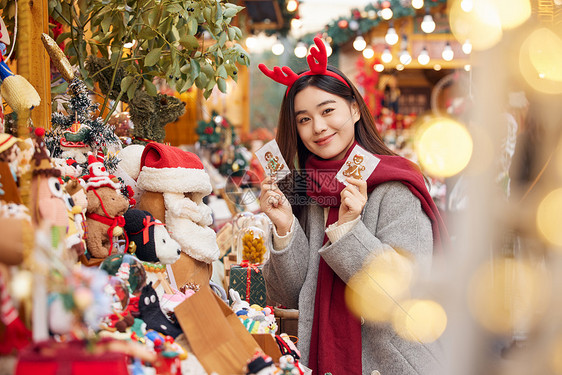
(355, 113)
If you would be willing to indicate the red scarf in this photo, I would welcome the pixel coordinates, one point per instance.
(335, 344)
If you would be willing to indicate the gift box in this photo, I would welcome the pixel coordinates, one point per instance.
(247, 279)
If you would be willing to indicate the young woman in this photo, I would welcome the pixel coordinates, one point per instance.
(326, 231)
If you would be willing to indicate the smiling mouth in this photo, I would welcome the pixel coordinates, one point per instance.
(323, 141)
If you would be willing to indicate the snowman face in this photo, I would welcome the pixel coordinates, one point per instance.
(99, 170)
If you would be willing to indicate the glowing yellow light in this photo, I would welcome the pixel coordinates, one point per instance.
(292, 5)
(376, 290)
(539, 59)
(482, 25)
(506, 293)
(513, 12)
(549, 217)
(21, 284)
(443, 146)
(419, 320)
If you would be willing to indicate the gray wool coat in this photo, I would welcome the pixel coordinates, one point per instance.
(392, 218)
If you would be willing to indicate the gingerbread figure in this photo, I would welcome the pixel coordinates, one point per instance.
(273, 163)
(354, 168)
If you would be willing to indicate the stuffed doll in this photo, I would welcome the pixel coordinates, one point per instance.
(106, 206)
(47, 204)
(104, 219)
(153, 245)
(152, 315)
(261, 364)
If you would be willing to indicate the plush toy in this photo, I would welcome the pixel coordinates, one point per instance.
(149, 114)
(152, 243)
(104, 218)
(47, 205)
(174, 183)
(261, 364)
(152, 315)
(75, 231)
(238, 305)
(106, 206)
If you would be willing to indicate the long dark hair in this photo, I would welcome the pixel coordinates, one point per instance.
(293, 149)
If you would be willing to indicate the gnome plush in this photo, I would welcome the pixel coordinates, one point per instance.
(175, 183)
(98, 175)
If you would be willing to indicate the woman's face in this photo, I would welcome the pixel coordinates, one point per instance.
(325, 122)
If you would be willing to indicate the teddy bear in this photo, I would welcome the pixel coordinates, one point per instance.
(104, 215)
(153, 245)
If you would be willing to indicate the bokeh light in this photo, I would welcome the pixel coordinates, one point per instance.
(419, 320)
(375, 291)
(482, 25)
(443, 146)
(549, 217)
(539, 61)
(513, 12)
(506, 294)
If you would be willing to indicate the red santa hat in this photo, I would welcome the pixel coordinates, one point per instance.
(98, 175)
(168, 169)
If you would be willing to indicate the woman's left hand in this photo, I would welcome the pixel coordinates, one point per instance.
(353, 199)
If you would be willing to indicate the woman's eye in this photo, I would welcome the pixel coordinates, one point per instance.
(328, 110)
(302, 120)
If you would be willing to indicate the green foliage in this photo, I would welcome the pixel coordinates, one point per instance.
(167, 36)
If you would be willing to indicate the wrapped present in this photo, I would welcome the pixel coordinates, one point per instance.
(247, 279)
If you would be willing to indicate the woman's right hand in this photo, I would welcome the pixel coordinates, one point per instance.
(276, 206)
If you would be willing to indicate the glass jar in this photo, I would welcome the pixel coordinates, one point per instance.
(252, 236)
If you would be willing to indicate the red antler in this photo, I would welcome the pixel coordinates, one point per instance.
(318, 54)
(284, 76)
(317, 62)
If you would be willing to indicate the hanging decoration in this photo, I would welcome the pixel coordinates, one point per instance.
(341, 30)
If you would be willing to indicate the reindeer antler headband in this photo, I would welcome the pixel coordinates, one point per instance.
(317, 61)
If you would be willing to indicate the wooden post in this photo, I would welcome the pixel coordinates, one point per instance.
(32, 58)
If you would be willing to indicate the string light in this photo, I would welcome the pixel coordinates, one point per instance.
(447, 53)
(405, 57)
(467, 47)
(423, 57)
(391, 37)
(359, 43)
(251, 43)
(399, 67)
(467, 5)
(417, 4)
(300, 50)
(437, 67)
(427, 25)
(378, 67)
(292, 5)
(368, 52)
(386, 13)
(278, 48)
(386, 56)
